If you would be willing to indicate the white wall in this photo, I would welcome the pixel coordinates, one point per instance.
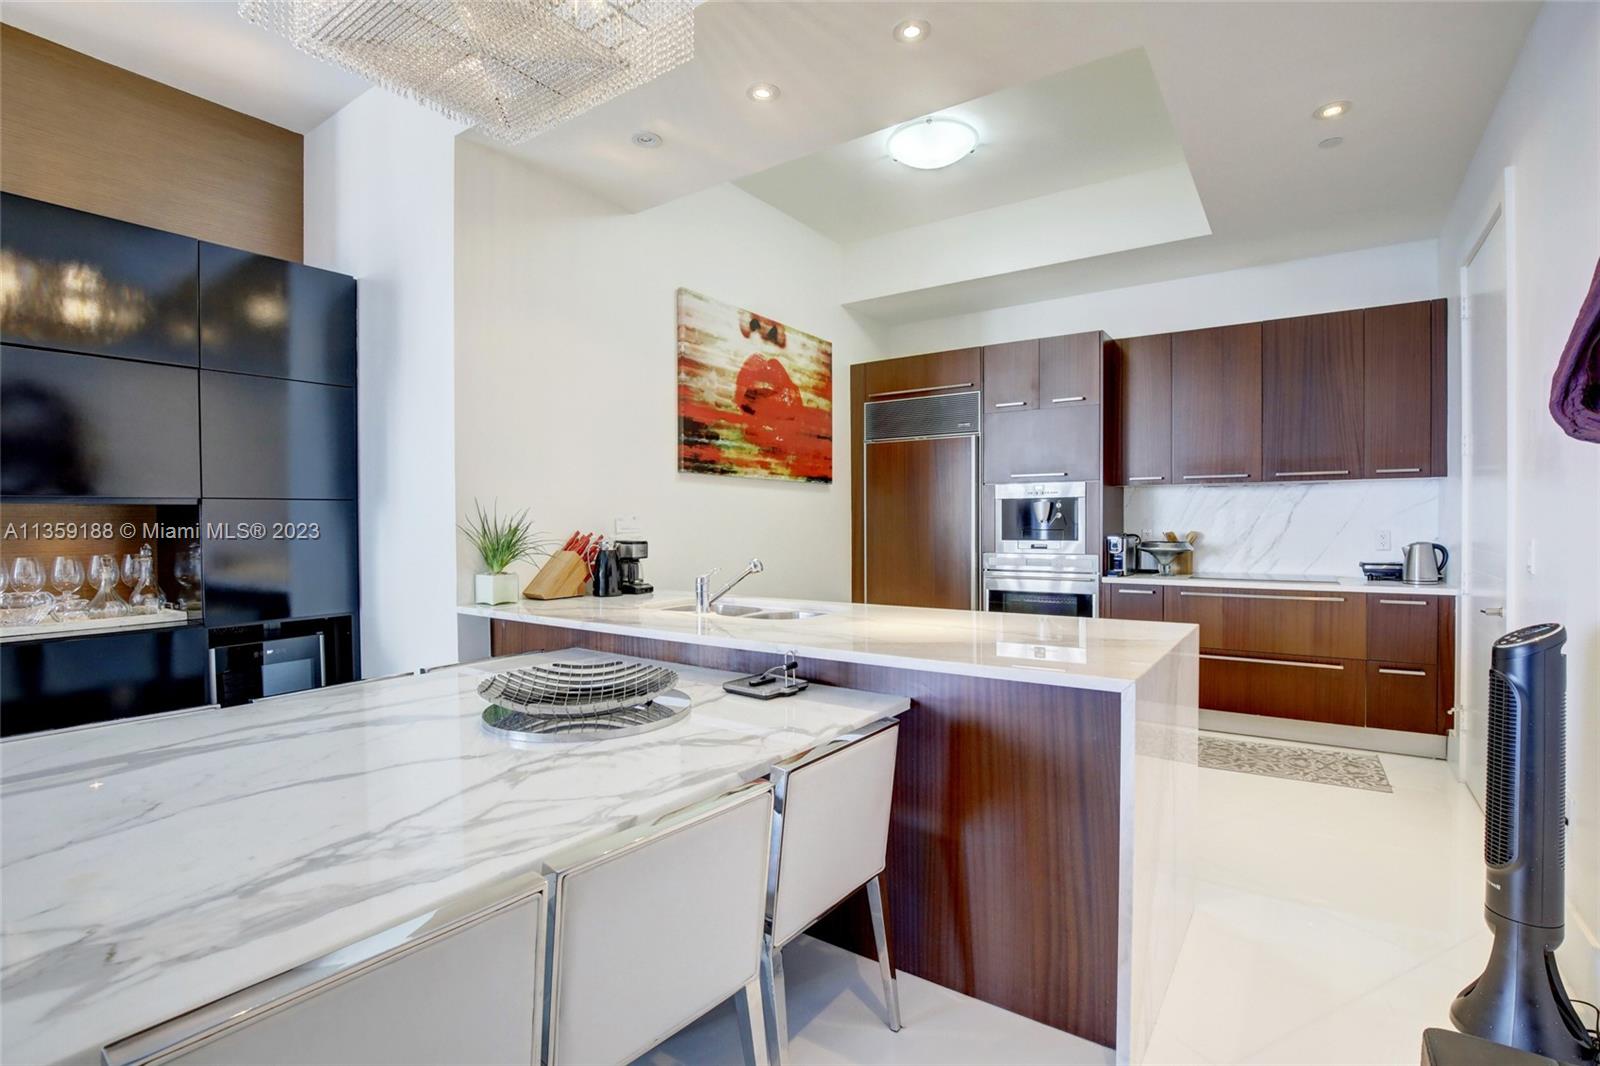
(380, 204)
(566, 370)
(1397, 273)
(1546, 127)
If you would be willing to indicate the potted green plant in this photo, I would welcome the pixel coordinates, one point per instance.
(499, 543)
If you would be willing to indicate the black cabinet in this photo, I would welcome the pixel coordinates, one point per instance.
(85, 425)
(267, 560)
(266, 316)
(52, 684)
(275, 439)
(83, 283)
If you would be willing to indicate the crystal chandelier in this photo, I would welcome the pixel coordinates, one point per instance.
(513, 68)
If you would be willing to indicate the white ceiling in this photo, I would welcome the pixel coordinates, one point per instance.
(1238, 82)
(200, 46)
(1102, 120)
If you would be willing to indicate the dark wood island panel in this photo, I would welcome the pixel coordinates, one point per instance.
(1003, 843)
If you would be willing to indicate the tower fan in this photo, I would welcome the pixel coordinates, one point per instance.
(1519, 1000)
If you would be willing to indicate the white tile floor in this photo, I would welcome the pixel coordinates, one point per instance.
(1332, 925)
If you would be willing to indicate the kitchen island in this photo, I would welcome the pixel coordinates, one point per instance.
(1039, 840)
(153, 865)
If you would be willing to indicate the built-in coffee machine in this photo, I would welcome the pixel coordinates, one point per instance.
(629, 554)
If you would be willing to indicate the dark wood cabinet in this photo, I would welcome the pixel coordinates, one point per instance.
(1403, 696)
(1060, 443)
(1404, 399)
(1312, 389)
(1138, 411)
(1310, 690)
(1216, 404)
(920, 523)
(1140, 602)
(913, 375)
(268, 438)
(95, 285)
(265, 316)
(268, 560)
(1403, 628)
(88, 425)
(1010, 377)
(1071, 369)
(1310, 624)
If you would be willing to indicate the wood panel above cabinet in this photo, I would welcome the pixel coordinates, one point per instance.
(1010, 377)
(916, 375)
(1216, 404)
(1404, 396)
(1312, 389)
(1061, 444)
(1071, 369)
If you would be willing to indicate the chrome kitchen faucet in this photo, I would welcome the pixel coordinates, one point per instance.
(703, 599)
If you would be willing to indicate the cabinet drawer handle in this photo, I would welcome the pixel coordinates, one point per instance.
(1068, 399)
(1149, 477)
(1042, 473)
(1274, 662)
(925, 388)
(1398, 470)
(1204, 477)
(1403, 673)
(1308, 473)
(1260, 596)
(1406, 603)
(1012, 403)
(1136, 592)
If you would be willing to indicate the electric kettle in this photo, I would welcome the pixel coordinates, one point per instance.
(1425, 563)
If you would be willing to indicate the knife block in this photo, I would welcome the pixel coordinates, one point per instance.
(563, 575)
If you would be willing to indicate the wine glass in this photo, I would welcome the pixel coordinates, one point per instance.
(26, 574)
(130, 570)
(66, 577)
(186, 572)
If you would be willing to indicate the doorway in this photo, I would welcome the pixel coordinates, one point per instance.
(1486, 490)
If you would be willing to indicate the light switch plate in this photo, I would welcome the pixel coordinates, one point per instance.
(628, 525)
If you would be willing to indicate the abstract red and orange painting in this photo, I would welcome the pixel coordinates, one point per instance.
(755, 397)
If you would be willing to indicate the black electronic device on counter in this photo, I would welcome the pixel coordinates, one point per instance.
(781, 680)
(1383, 571)
(607, 572)
(629, 554)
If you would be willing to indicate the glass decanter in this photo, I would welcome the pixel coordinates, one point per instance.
(106, 603)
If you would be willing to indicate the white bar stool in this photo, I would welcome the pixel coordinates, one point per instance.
(830, 833)
(460, 983)
(650, 929)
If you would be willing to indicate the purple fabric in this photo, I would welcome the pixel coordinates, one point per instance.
(1575, 389)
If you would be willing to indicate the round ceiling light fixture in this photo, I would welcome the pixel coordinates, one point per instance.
(647, 139)
(1330, 142)
(912, 31)
(763, 92)
(932, 143)
(1332, 109)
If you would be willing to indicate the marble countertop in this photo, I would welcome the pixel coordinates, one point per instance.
(1097, 653)
(1291, 583)
(152, 865)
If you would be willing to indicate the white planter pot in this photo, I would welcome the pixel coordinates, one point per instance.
(496, 588)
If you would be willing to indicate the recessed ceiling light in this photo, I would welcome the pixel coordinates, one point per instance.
(647, 139)
(932, 143)
(1330, 142)
(762, 92)
(912, 31)
(1332, 110)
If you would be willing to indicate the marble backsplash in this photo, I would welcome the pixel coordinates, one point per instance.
(1321, 528)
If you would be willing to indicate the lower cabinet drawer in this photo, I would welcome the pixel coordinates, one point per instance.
(1403, 696)
(1323, 690)
(1291, 625)
(1140, 602)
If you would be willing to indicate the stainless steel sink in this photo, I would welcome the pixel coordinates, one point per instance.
(749, 610)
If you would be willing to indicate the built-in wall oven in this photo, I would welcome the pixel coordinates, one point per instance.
(1055, 583)
(1038, 517)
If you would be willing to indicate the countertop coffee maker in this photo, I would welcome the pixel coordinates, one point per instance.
(1122, 554)
(629, 555)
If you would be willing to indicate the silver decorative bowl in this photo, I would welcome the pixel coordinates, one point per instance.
(1166, 553)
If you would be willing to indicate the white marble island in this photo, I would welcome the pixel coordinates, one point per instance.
(151, 865)
(1038, 847)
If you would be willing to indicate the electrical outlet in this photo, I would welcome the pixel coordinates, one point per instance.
(628, 525)
(1385, 540)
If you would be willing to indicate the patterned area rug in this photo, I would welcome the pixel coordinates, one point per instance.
(1296, 764)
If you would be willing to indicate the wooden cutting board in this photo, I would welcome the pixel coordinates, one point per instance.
(563, 575)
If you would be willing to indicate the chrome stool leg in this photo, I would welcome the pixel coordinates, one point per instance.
(777, 1028)
(891, 988)
(752, 1023)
